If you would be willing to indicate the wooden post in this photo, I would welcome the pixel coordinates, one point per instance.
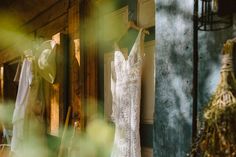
(76, 70)
(89, 56)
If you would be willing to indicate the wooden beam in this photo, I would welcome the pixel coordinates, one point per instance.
(76, 69)
(53, 27)
(26, 10)
(9, 54)
(46, 17)
(91, 59)
(91, 78)
(50, 22)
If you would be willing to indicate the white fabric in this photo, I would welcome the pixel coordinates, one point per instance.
(20, 105)
(29, 106)
(126, 94)
(46, 60)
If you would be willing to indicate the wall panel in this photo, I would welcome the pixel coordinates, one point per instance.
(146, 13)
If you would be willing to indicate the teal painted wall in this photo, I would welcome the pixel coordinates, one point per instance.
(172, 121)
(173, 102)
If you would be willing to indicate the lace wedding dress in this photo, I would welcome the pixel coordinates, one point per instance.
(126, 94)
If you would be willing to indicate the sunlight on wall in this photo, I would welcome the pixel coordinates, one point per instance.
(77, 50)
(95, 142)
(12, 34)
(1, 83)
(54, 110)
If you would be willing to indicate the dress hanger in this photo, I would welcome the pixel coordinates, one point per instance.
(131, 24)
(29, 54)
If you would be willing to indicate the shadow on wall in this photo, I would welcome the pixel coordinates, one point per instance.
(174, 32)
(173, 110)
(210, 46)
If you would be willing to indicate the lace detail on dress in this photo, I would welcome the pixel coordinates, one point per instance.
(126, 93)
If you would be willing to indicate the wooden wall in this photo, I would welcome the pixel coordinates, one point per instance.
(77, 83)
(45, 24)
(61, 18)
(9, 86)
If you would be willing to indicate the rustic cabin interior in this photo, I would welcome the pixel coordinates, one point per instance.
(117, 78)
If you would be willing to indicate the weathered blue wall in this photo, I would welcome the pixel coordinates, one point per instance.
(210, 45)
(174, 34)
(174, 47)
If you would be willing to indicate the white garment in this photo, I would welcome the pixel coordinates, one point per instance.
(46, 60)
(20, 105)
(29, 107)
(126, 94)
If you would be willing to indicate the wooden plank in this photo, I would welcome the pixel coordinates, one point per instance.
(146, 13)
(91, 79)
(9, 54)
(118, 21)
(108, 58)
(63, 77)
(73, 20)
(47, 90)
(146, 135)
(58, 24)
(147, 152)
(89, 47)
(48, 23)
(16, 49)
(75, 71)
(54, 27)
(27, 10)
(57, 10)
(9, 87)
(57, 94)
(54, 109)
(148, 84)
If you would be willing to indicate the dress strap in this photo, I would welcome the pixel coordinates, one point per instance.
(116, 47)
(138, 44)
(142, 36)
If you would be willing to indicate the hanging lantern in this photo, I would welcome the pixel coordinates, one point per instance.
(209, 19)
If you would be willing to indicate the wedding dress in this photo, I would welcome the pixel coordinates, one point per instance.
(25, 80)
(126, 94)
